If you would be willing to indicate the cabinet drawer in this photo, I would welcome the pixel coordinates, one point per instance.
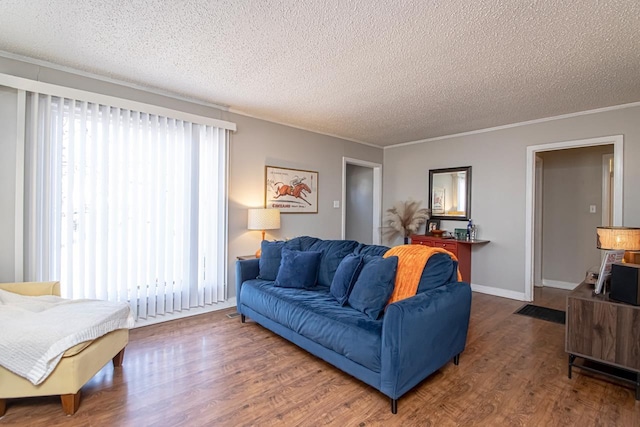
(450, 246)
(423, 242)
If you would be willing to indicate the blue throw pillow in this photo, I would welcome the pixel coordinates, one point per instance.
(345, 277)
(298, 269)
(374, 286)
(271, 256)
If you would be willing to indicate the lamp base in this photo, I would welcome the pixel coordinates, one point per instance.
(258, 253)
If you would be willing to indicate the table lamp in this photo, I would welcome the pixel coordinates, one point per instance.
(620, 238)
(263, 219)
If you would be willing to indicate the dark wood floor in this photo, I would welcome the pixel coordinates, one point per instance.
(213, 370)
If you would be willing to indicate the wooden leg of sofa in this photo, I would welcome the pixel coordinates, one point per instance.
(3, 406)
(456, 359)
(118, 358)
(70, 402)
(394, 406)
(243, 318)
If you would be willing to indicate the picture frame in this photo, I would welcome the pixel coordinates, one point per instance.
(609, 258)
(291, 190)
(432, 224)
(437, 201)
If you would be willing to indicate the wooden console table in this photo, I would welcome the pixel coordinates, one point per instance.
(605, 331)
(460, 248)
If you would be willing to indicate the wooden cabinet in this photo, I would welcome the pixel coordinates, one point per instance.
(602, 330)
(460, 248)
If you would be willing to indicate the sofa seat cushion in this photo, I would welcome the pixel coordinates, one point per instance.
(316, 315)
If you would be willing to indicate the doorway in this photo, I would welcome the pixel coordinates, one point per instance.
(361, 200)
(534, 197)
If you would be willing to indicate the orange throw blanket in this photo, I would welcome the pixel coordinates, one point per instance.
(411, 262)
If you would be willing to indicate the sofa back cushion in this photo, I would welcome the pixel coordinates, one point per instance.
(333, 251)
(303, 242)
(298, 269)
(373, 250)
(271, 256)
(345, 277)
(374, 285)
(440, 270)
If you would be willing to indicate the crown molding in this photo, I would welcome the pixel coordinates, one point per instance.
(518, 124)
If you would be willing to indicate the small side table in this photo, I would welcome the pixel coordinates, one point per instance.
(604, 331)
(245, 257)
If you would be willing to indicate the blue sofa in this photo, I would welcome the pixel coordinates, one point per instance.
(410, 340)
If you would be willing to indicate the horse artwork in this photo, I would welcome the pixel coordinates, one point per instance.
(291, 191)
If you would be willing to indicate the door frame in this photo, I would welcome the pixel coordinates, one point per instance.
(617, 141)
(377, 196)
(606, 185)
(537, 244)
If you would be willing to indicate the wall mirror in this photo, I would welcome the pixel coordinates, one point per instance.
(450, 193)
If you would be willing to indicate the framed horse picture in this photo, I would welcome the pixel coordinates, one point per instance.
(291, 190)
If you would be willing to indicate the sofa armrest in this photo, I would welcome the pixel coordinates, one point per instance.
(421, 334)
(245, 270)
(32, 288)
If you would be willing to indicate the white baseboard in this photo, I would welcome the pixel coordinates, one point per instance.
(569, 286)
(231, 302)
(504, 293)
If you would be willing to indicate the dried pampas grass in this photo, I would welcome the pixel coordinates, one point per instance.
(404, 219)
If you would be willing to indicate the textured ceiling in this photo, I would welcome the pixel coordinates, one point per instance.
(377, 71)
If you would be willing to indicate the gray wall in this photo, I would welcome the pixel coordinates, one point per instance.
(498, 183)
(255, 144)
(572, 181)
(359, 204)
(8, 124)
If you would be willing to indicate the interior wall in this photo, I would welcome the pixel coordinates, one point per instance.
(572, 182)
(359, 204)
(8, 125)
(498, 185)
(255, 144)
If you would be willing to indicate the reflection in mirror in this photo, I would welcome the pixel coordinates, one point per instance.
(450, 193)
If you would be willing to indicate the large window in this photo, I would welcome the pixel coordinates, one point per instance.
(124, 205)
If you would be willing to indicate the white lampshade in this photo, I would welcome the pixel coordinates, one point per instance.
(264, 219)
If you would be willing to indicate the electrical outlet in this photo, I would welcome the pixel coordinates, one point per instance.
(336, 204)
(592, 208)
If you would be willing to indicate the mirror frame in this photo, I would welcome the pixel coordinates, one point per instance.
(467, 214)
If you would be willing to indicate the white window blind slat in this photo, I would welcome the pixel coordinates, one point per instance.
(125, 205)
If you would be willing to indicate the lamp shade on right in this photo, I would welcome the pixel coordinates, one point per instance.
(619, 238)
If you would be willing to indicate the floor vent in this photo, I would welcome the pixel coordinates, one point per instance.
(232, 315)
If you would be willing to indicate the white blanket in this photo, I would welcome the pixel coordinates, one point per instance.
(36, 331)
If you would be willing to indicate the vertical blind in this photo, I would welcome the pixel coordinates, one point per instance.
(125, 206)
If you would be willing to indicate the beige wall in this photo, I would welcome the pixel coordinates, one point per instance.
(498, 184)
(572, 181)
(255, 144)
